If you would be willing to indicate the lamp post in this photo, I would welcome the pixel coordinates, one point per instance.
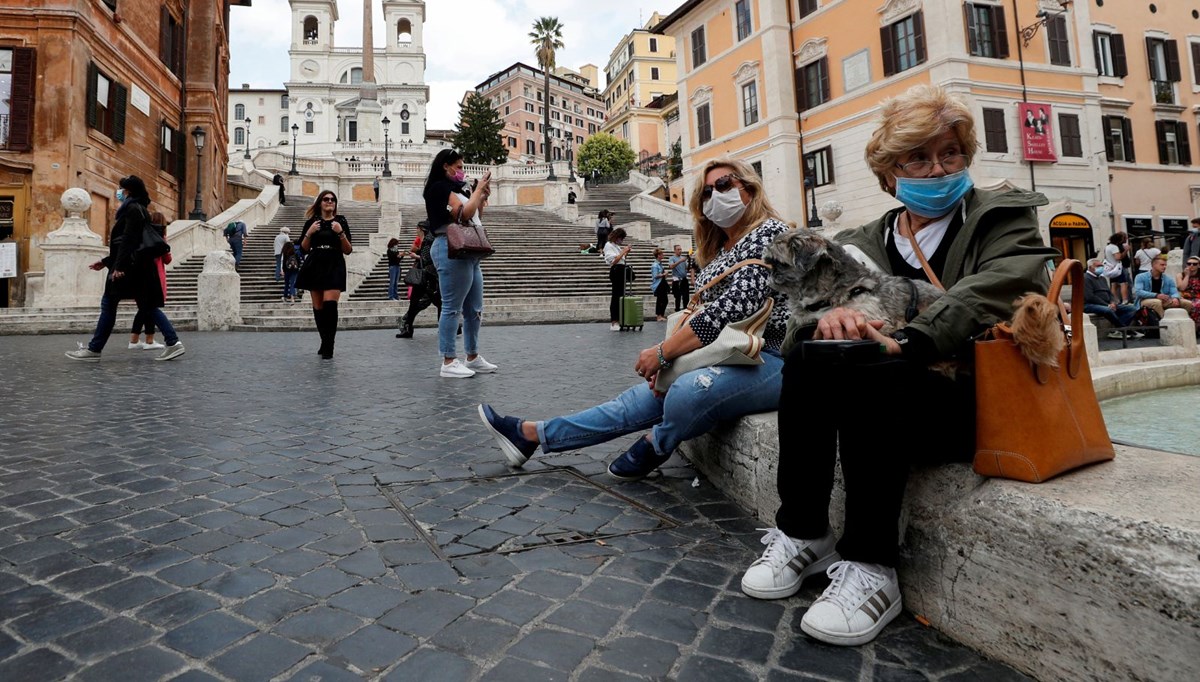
(387, 169)
(810, 186)
(247, 154)
(295, 129)
(198, 139)
(570, 159)
(550, 153)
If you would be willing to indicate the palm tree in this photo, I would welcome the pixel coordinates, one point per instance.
(546, 36)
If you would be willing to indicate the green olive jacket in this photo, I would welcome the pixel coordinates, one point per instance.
(997, 256)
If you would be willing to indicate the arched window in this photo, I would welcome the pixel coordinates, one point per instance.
(311, 30)
(239, 112)
(353, 76)
(239, 135)
(404, 31)
(283, 124)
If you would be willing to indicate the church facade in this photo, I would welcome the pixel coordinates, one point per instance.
(337, 96)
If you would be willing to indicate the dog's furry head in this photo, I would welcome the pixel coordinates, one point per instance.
(1036, 330)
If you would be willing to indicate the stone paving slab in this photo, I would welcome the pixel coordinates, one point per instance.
(251, 512)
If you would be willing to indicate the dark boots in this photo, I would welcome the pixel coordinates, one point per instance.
(327, 320)
(406, 328)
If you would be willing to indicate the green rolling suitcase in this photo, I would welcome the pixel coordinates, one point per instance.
(631, 312)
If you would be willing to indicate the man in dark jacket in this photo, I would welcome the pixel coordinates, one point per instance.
(1191, 243)
(1098, 300)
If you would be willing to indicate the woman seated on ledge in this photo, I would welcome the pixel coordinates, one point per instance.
(734, 222)
(884, 413)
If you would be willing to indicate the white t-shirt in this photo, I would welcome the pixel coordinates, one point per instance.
(280, 240)
(1112, 258)
(611, 251)
(1145, 256)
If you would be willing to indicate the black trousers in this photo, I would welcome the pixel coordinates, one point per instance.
(660, 298)
(682, 289)
(616, 277)
(879, 418)
(422, 298)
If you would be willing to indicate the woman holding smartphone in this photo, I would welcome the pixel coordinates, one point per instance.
(327, 242)
(461, 280)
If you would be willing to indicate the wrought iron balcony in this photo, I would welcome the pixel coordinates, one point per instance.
(1164, 92)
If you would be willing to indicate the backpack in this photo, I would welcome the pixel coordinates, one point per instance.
(292, 263)
(1146, 317)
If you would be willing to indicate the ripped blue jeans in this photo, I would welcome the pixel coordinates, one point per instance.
(696, 403)
(461, 283)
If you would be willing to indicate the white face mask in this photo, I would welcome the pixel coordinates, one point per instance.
(724, 209)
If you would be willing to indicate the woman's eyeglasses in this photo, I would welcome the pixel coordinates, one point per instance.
(722, 184)
(329, 199)
(951, 163)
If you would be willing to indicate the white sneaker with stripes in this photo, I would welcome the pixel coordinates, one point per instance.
(786, 563)
(861, 600)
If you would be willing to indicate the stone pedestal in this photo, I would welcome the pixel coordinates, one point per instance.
(368, 113)
(68, 281)
(1091, 341)
(1178, 330)
(218, 293)
(293, 185)
(637, 229)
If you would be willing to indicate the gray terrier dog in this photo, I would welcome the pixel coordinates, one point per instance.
(819, 275)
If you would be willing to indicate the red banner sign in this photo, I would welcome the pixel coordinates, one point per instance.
(1037, 139)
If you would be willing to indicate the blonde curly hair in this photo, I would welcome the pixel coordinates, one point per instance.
(910, 120)
(708, 236)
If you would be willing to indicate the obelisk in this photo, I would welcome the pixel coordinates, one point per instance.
(368, 112)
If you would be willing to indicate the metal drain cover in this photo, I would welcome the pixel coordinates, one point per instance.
(519, 511)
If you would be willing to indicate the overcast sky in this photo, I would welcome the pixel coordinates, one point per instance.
(465, 40)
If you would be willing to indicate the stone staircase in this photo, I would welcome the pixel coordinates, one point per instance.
(258, 257)
(616, 198)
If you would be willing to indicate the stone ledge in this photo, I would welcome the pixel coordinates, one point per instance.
(1094, 575)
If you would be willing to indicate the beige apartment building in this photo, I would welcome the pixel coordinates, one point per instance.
(794, 87)
(1148, 66)
(576, 109)
(641, 71)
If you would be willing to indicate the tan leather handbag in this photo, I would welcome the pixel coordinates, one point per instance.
(1035, 422)
(739, 343)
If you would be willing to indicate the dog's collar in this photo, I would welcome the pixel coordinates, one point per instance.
(911, 312)
(815, 307)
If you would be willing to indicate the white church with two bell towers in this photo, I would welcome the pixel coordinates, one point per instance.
(336, 97)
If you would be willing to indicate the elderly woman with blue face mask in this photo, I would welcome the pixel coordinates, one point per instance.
(881, 413)
(734, 222)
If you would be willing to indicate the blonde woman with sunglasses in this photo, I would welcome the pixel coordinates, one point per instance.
(734, 222)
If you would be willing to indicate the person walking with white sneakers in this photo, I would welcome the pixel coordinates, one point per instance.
(131, 275)
(460, 279)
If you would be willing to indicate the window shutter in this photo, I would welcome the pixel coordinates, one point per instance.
(889, 50)
(180, 46)
(1001, 32)
(24, 77)
(1096, 51)
(1151, 60)
(1196, 61)
(1185, 145)
(1160, 130)
(92, 74)
(119, 98)
(919, 36)
(180, 155)
(801, 90)
(1120, 65)
(972, 39)
(824, 70)
(828, 165)
(1127, 134)
(164, 36)
(1106, 124)
(1174, 73)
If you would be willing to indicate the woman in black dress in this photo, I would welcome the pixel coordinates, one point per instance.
(327, 242)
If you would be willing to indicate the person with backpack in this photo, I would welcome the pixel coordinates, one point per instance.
(291, 268)
(235, 234)
(132, 274)
(426, 293)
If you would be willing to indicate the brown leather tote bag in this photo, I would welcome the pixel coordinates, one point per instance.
(1035, 422)
(467, 240)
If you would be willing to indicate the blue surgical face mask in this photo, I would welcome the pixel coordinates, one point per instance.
(120, 195)
(1099, 270)
(933, 197)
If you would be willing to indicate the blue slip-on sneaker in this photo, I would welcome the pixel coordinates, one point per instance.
(637, 462)
(517, 448)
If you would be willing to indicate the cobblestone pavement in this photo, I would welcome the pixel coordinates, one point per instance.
(247, 513)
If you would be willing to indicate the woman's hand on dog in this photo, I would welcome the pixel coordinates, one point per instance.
(847, 324)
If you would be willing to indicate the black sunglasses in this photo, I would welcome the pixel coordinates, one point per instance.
(329, 199)
(722, 184)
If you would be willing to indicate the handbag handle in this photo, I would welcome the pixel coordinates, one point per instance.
(912, 239)
(695, 300)
(1070, 270)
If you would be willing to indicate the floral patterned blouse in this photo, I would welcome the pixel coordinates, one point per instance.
(742, 293)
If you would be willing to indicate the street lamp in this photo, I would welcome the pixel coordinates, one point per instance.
(247, 154)
(810, 185)
(1043, 16)
(198, 138)
(387, 169)
(295, 129)
(550, 153)
(570, 158)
